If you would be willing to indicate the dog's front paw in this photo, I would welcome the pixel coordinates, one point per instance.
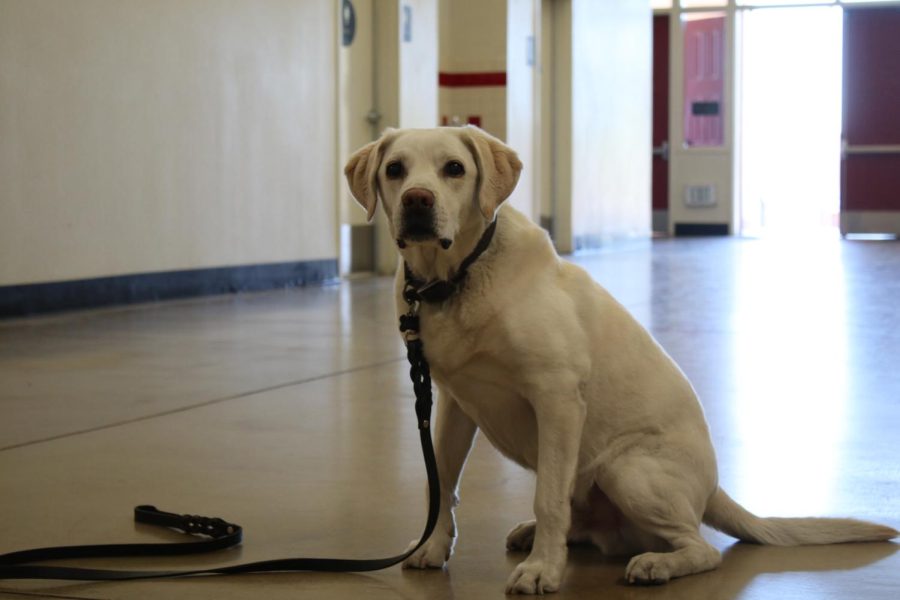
(432, 555)
(534, 576)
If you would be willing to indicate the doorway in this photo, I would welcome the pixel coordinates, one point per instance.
(790, 97)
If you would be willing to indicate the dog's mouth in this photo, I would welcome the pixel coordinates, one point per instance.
(418, 234)
(418, 226)
(412, 237)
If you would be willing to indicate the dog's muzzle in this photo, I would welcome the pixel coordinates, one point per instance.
(417, 218)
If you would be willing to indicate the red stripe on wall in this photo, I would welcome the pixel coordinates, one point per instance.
(472, 79)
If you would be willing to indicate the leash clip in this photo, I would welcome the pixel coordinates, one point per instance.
(409, 323)
(409, 326)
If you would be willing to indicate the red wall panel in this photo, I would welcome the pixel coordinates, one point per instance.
(660, 193)
(871, 106)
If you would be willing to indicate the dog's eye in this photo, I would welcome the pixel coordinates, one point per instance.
(394, 170)
(454, 168)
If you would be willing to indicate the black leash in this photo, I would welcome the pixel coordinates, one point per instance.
(221, 534)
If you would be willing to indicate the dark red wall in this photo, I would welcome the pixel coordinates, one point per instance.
(871, 106)
(660, 109)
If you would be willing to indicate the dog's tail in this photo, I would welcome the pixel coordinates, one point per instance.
(729, 517)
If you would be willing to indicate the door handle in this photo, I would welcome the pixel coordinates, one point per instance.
(662, 151)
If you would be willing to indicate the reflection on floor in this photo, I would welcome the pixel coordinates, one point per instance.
(289, 412)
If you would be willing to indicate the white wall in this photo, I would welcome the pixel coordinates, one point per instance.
(523, 101)
(601, 105)
(143, 136)
(419, 65)
(611, 120)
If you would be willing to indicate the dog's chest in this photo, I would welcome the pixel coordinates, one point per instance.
(452, 339)
(468, 363)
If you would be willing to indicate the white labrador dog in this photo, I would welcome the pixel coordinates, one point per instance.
(558, 376)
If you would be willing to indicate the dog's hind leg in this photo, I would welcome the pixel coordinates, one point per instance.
(521, 537)
(661, 498)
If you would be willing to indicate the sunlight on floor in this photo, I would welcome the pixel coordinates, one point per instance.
(790, 366)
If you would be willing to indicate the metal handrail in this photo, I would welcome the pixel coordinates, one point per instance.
(862, 149)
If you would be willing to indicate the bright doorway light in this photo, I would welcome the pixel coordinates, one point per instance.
(791, 121)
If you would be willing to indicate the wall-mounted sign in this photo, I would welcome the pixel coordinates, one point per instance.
(704, 108)
(348, 22)
(407, 23)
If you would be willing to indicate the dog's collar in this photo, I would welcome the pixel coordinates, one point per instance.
(438, 290)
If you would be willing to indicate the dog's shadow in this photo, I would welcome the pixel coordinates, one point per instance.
(741, 565)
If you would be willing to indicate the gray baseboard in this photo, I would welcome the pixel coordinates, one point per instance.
(39, 298)
(660, 222)
(362, 248)
(870, 222)
(701, 229)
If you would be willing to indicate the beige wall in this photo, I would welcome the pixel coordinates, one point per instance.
(473, 35)
(140, 136)
(560, 163)
(356, 98)
(544, 27)
(473, 40)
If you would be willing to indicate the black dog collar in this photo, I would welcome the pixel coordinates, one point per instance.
(438, 290)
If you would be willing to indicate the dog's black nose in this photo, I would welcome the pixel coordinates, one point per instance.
(418, 198)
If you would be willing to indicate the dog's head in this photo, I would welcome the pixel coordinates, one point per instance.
(433, 182)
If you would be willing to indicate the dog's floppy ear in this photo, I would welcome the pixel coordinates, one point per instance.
(498, 168)
(362, 172)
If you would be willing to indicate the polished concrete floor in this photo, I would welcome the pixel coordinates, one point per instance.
(289, 412)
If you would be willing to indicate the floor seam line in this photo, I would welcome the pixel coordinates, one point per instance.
(42, 594)
(203, 404)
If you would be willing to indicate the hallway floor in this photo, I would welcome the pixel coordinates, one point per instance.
(290, 413)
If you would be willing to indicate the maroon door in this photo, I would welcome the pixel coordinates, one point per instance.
(660, 163)
(870, 173)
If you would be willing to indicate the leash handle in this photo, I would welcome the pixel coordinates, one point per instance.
(222, 534)
(19, 565)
